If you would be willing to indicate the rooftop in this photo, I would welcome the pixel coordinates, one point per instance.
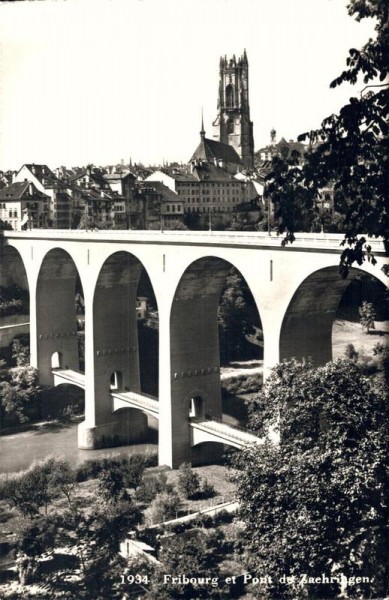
(16, 191)
(210, 150)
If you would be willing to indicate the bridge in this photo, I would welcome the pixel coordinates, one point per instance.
(216, 430)
(203, 430)
(296, 290)
(69, 376)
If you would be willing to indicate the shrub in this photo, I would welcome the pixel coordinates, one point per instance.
(151, 486)
(188, 481)
(351, 352)
(164, 507)
(367, 316)
(131, 467)
(207, 489)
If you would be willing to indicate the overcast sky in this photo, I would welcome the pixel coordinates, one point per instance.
(97, 81)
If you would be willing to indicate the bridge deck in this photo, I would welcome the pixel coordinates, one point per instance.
(319, 241)
(69, 376)
(132, 399)
(236, 436)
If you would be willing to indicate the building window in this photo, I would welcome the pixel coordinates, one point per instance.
(229, 96)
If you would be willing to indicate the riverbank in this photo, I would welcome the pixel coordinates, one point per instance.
(19, 450)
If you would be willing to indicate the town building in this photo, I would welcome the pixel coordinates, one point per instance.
(22, 205)
(157, 206)
(206, 187)
(46, 182)
(282, 149)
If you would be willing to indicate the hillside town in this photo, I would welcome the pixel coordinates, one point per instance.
(221, 186)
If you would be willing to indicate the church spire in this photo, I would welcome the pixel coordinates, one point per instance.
(202, 132)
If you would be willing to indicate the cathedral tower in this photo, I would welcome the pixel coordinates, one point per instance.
(232, 125)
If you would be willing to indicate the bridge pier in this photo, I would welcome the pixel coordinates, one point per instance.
(190, 376)
(111, 355)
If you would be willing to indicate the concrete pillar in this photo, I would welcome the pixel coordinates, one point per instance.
(112, 348)
(165, 427)
(194, 364)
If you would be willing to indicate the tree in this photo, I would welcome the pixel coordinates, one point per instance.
(30, 491)
(4, 226)
(164, 507)
(367, 315)
(349, 151)
(237, 318)
(151, 486)
(111, 484)
(19, 393)
(88, 222)
(197, 557)
(93, 539)
(21, 353)
(188, 481)
(317, 502)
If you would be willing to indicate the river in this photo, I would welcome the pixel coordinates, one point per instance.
(18, 451)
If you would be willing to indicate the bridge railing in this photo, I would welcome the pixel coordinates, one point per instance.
(148, 402)
(223, 426)
(317, 240)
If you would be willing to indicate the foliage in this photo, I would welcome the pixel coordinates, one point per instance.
(237, 316)
(33, 489)
(4, 226)
(196, 557)
(21, 352)
(132, 468)
(19, 393)
(164, 507)
(13, 300)
(94, 541)
(348, 152)
(242, 384)
(188, 481)
(367, 315)
(317, 502)
(151, 486)
(87, 222)
(61, 479)
(350, 352)
(111, 484)
(207, 489)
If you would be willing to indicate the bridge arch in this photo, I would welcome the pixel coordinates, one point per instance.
(306, 329)
(12, 268)
(194, 347)
(65, 397)
(15, 286)
(116, 342)
(56, 315)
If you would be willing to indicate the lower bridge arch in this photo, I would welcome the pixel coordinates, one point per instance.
(306, 330)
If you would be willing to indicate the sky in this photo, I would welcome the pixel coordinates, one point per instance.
(100, 81)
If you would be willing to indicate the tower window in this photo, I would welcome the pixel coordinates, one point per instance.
(230, 126)
(229, 96)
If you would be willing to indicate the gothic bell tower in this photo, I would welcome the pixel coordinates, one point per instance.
(232, 125)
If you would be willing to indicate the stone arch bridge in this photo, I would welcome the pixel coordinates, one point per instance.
(296, 289)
